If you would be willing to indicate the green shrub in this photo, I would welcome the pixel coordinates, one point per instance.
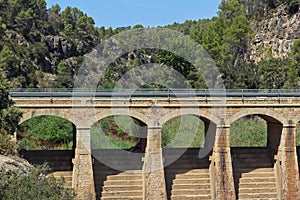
(33, 185)
(183, 132)
(7, 146)
(248, 132)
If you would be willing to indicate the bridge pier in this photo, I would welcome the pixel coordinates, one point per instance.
(223, 165)
(153, 169)
(289, 165)
(83, 181)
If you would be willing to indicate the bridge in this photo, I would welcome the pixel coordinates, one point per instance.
(218, 109)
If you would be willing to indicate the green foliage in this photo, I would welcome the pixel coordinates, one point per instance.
(293, 67)
(9, 115)
(64, 76)
(112, 132)
(183, 132)
(272, 73)
(49, 128)
(248, 132)
(7, 146)
(33, 185)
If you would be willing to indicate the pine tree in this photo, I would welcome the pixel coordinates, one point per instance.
(64, 76)
(9, 115)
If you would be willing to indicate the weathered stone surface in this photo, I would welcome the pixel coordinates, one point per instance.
(280, 113)
(275, 35)
(14, 163)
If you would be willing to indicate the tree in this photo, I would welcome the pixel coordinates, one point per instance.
(9, 61)
(64, 76)
(233, 27)
(293, 67)
(272, 73)
(9, 115)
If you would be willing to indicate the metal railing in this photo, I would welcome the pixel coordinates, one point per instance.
(152, 92)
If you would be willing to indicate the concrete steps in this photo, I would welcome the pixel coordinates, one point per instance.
(187, 178)
(112, 184)
(66, 175)
(195, 185)
(126, 185)
(254, 174)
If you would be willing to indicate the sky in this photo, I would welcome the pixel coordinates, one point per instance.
(149, 13)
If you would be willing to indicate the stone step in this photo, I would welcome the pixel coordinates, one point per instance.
(190, 197)
(123, 182)
(131, 193)
(124, 177)
(257, 180)
(257, 195)
(191, 191)
(191, 182)
(109, 188)
(192, 176)
(204, 186)
(258, 198)
(257, 190)
(257, 185)
(258, 174)
(122, 198)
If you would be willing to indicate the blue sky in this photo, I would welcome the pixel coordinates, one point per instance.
(119, 13)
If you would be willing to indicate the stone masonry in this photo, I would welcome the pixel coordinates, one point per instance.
(281, 114)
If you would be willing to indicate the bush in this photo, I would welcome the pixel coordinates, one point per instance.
(7, 146)
(33, 185)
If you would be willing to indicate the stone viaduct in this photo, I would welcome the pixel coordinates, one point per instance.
(281, 113)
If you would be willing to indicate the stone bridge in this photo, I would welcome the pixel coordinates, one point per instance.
(281, 112)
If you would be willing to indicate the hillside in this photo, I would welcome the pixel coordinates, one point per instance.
(252, 43)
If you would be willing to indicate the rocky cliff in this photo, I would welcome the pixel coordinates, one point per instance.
(275, 35)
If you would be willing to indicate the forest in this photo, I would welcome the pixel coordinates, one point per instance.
(44, 47)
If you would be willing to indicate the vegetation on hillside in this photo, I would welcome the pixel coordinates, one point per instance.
(32, 185)
(121, 132)
(45, 132)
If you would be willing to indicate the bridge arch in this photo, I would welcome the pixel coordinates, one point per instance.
(42, 112)
(275, 123)
(195, 112)
(133, 114)
(267, 114)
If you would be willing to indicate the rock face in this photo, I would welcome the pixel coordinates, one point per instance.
(275, 35)
(14, 163)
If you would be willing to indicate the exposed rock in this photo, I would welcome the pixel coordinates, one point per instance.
(276, 35)
(14, 163)
(60, 45)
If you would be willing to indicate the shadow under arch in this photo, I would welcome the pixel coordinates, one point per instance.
(248, 161)
(57, 157)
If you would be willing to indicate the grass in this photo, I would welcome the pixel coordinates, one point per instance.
(248, 132)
